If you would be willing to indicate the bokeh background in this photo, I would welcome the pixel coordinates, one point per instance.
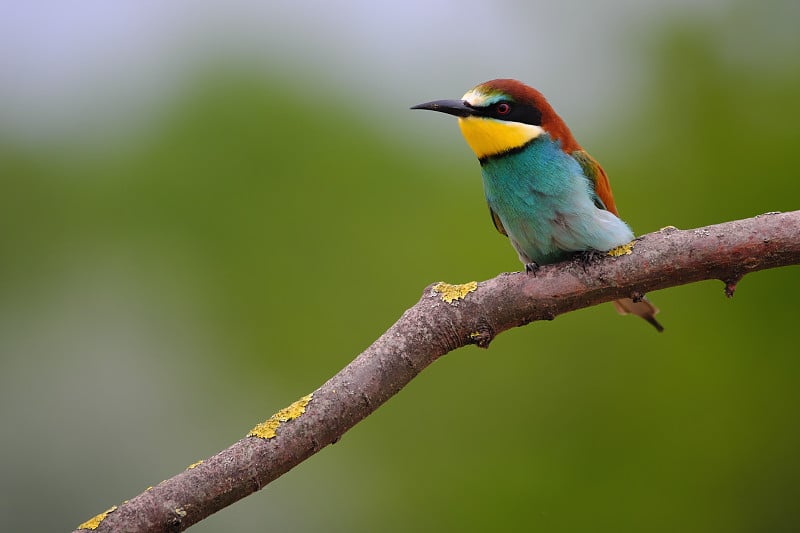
(208, 208)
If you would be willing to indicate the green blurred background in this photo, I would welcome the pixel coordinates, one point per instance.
(208, 208)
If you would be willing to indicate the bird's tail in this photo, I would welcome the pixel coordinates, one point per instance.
(642, 308)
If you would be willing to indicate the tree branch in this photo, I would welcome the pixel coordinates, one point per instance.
(445, 318)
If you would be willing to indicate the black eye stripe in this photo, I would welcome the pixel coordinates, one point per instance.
(514, 112)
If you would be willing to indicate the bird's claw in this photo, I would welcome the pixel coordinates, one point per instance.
(532, 267)
(587, 257)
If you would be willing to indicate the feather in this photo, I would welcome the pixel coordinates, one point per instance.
(598, 178)
(643, 308)
(497, 222)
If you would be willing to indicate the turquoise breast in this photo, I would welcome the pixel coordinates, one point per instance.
(547, 205)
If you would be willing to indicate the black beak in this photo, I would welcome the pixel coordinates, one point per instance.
(459, 108)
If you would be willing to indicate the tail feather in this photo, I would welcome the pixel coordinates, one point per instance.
(642, 308)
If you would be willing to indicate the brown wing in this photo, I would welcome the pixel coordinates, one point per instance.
(596, 174)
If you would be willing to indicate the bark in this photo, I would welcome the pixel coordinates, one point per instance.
(474, 314)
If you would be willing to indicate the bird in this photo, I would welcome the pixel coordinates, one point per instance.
(544, 191)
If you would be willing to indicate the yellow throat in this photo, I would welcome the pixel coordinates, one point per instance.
(487, 136)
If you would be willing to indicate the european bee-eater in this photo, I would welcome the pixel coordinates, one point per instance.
(544, 191)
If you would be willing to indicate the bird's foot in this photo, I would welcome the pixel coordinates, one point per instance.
(587, 257)
(532, 267)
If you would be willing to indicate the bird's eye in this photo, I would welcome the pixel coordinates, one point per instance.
(503, 108)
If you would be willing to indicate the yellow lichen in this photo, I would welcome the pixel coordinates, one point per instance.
(94, 522)
(451, 293)
(194, 465)
(625, 249)
(268, 428)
